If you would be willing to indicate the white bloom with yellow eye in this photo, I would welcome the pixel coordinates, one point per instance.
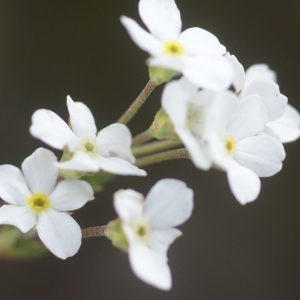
(36, 200)
(108, 150)
(195, 52)
(148, 226)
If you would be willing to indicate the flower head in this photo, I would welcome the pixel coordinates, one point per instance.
(107, 150)
(195, 52)
(36, 201)
(148, 226)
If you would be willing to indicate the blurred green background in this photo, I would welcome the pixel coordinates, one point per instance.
(49, 49)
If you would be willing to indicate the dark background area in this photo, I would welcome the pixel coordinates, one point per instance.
(49, 49)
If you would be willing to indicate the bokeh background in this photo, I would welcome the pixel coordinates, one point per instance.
(49, 49)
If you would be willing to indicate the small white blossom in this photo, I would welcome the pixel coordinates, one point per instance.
(283, 119)
(148, 226)
(36, 201)
(108, 150)
(195, 52)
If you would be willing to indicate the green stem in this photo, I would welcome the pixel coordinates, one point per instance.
(142, 138)
(160, 157)
(137, 104)
(94, 231)
(154, 147)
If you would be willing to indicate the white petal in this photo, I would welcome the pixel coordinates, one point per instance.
(209, 72)
(52, 130)
(239, 77)
(71, 194)
(197, 41)
(244, 183)
(288, 126)
(81, 119)
(270, 94)
(168, 203)
(150, 267)
(262, 154)
(259, 71)
(19, 216)
(115, 141)
(162, 18)
(161, 239)
(80, 161)
(119, 166)
(128, 205)
(249, 118)
(13, 187)
(40, 172)
(59, 232)
(141, 37)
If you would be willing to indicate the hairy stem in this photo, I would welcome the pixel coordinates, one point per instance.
(93, 231)
(160, 157)
(142, 138)
(154, 147)
(137, 104)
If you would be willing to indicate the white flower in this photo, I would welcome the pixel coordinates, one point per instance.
(283, 119)
(108, 150)
(236, 145)
(195, 52)
(148, 226)
(36, 200)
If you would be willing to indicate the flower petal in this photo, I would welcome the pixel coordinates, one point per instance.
(141, 37)
(150, 267)
(59, 232)
(81, 119)
(259, 71)
(270, 94)
(168, 203)
(288, 125)
(161, 239)
(128, 205)
(71, 194)
(19, 216)
(244, 183)
(119, 166)
(197, 41)
(52, 130)
(80, 161)
(115, 141)
(13, 187)
(162, 17)
(261, 154)
(40, 172)
(239, 77)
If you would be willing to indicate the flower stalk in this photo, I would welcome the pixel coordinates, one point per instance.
(164, 156)
(137, 104)
(93, 231)
(142, 138)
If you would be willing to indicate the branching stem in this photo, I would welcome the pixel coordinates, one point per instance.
(142, 138)
(93, 231)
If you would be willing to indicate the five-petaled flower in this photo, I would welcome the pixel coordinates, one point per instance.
(36, 200)
(109, 150)
(195, 52)
(148, 226)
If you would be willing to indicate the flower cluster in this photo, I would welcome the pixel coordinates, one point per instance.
(220, 115)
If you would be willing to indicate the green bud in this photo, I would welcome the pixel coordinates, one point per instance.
(115, 233)
(161, 75)
(98, 180)
(15, 245)
(162, 127)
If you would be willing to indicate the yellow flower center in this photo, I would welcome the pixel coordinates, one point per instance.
(39, 202)
(230, 145)
(142, 231)
(173, 48)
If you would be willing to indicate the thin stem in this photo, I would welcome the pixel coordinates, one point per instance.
(154, 147)
(160, 157)
(142, 138)
(94, 231)
(137, 104)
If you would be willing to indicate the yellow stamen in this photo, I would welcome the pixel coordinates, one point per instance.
(39, 202)
(230, 145)
(173, 48)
